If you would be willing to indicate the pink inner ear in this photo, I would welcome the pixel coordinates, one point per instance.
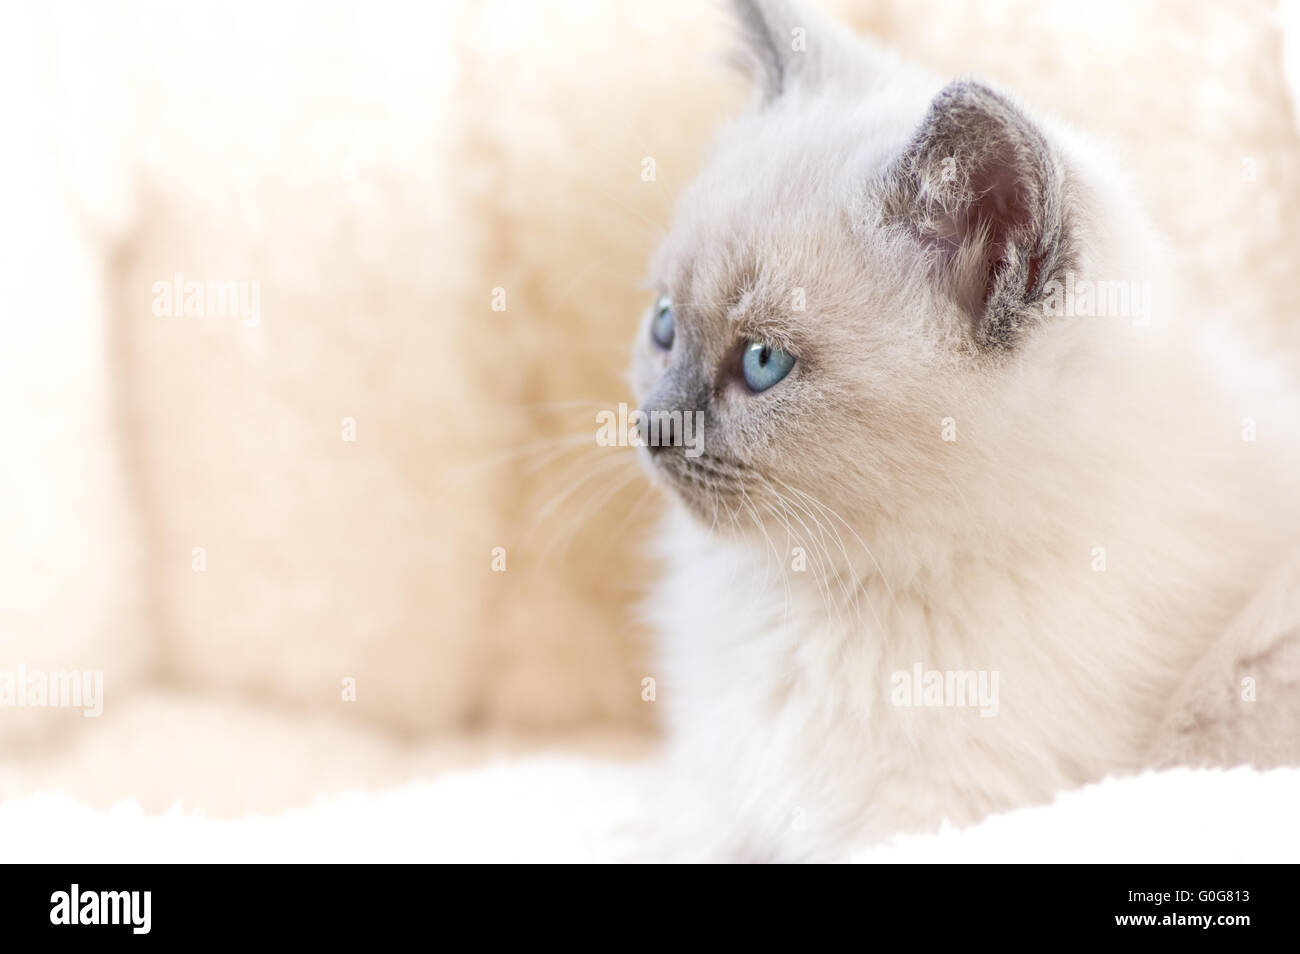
(985, 231)
(979, 185)
(1031, 279)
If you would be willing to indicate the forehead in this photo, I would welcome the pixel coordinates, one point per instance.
(775, 221)
(768, 268)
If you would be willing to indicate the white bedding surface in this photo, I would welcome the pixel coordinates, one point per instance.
(226, 781)
(565, 809)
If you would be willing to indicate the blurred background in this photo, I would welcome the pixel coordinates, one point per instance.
(357, 528)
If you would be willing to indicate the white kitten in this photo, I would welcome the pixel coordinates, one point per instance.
(984, 509)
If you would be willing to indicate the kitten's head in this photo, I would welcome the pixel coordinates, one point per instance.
(860, 260)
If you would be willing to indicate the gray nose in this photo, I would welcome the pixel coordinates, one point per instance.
(657, 429)
(660, 423)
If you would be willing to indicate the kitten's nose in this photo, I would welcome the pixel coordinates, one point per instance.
(660, 436)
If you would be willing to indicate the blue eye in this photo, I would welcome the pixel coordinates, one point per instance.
(662, 326)
(764, 365)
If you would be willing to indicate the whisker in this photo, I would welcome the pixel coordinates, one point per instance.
(862, 543)
(607, 468)
(591, 508)
(546, 449)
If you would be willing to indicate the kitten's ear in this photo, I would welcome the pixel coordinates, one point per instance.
(784, 44)
(982, 188)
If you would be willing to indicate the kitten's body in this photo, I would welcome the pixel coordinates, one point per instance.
(1092, 534)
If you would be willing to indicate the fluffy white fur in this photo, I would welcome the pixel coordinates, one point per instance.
(973, 554)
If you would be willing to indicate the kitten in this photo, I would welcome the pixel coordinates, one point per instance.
(984, 508)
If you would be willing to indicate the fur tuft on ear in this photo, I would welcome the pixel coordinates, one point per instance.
(784, 44)
(763, 53)
(981, 187)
